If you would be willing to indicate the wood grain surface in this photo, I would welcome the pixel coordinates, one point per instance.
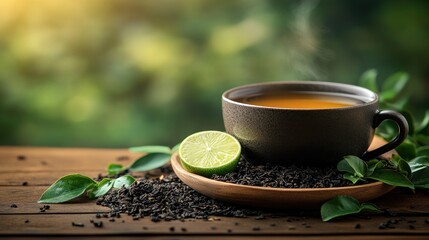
(42, 166)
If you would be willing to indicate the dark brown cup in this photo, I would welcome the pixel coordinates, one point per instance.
(307, 136)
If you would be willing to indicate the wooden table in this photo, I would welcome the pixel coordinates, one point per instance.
(40, 167)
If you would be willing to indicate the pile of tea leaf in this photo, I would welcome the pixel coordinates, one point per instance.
(168, 198)
(277, 176)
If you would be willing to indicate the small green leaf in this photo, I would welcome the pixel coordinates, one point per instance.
(373, 164)
(344, 205)
(407, 150)
(353, 165)
(351, 177)
(418, 163)
(424, 123)
(423, 151)
(369, 207)
(150, 161)
(404, 168)
(175, 148)
(393, 86)
(421, 178)
(67, 188)
(125, 181)
(151, 149)
(102, 188)
(391, 177)
(369, 80)
(114, 169)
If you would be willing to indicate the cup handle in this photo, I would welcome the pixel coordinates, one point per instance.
(402, 123)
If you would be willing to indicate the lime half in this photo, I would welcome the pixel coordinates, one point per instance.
(209, 152)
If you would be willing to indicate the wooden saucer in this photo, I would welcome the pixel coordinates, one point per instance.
(285, 198)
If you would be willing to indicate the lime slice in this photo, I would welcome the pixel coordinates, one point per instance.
(209, 152)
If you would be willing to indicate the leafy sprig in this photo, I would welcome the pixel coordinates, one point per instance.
(72, 186)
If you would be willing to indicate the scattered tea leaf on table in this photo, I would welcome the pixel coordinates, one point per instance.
(67, 188)
(114, 169)
(344, 205)
(151, 149)
(391, 177)
(125, 181)
(150, 161)
(103, 187)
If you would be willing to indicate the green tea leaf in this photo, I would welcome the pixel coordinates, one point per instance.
(354, 179)
(151, 149)
(391, 177)
(67, 188)
(418, 163)
(102, 188)
(369, 80)
(404, 168)
(150, 161)
(373, 164)
(410, 120)
(423, 151)
(423, 139)
(397, 105)
(175, 148)
(342, 206)
(125, 181)
(393, 86)
(369, 207)
(353, 165)
(421, 178)
(407, 150)
(424, 123)
(114, 169)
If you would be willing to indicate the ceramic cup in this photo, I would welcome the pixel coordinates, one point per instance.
(307, 136)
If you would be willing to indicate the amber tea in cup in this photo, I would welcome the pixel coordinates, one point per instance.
(301, 100)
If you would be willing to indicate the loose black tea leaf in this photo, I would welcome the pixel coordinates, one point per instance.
(270, 175)
(98, 224)
(78, 224)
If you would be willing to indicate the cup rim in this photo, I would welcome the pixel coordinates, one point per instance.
(320, 83)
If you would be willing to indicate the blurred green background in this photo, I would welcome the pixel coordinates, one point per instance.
(123, 73)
